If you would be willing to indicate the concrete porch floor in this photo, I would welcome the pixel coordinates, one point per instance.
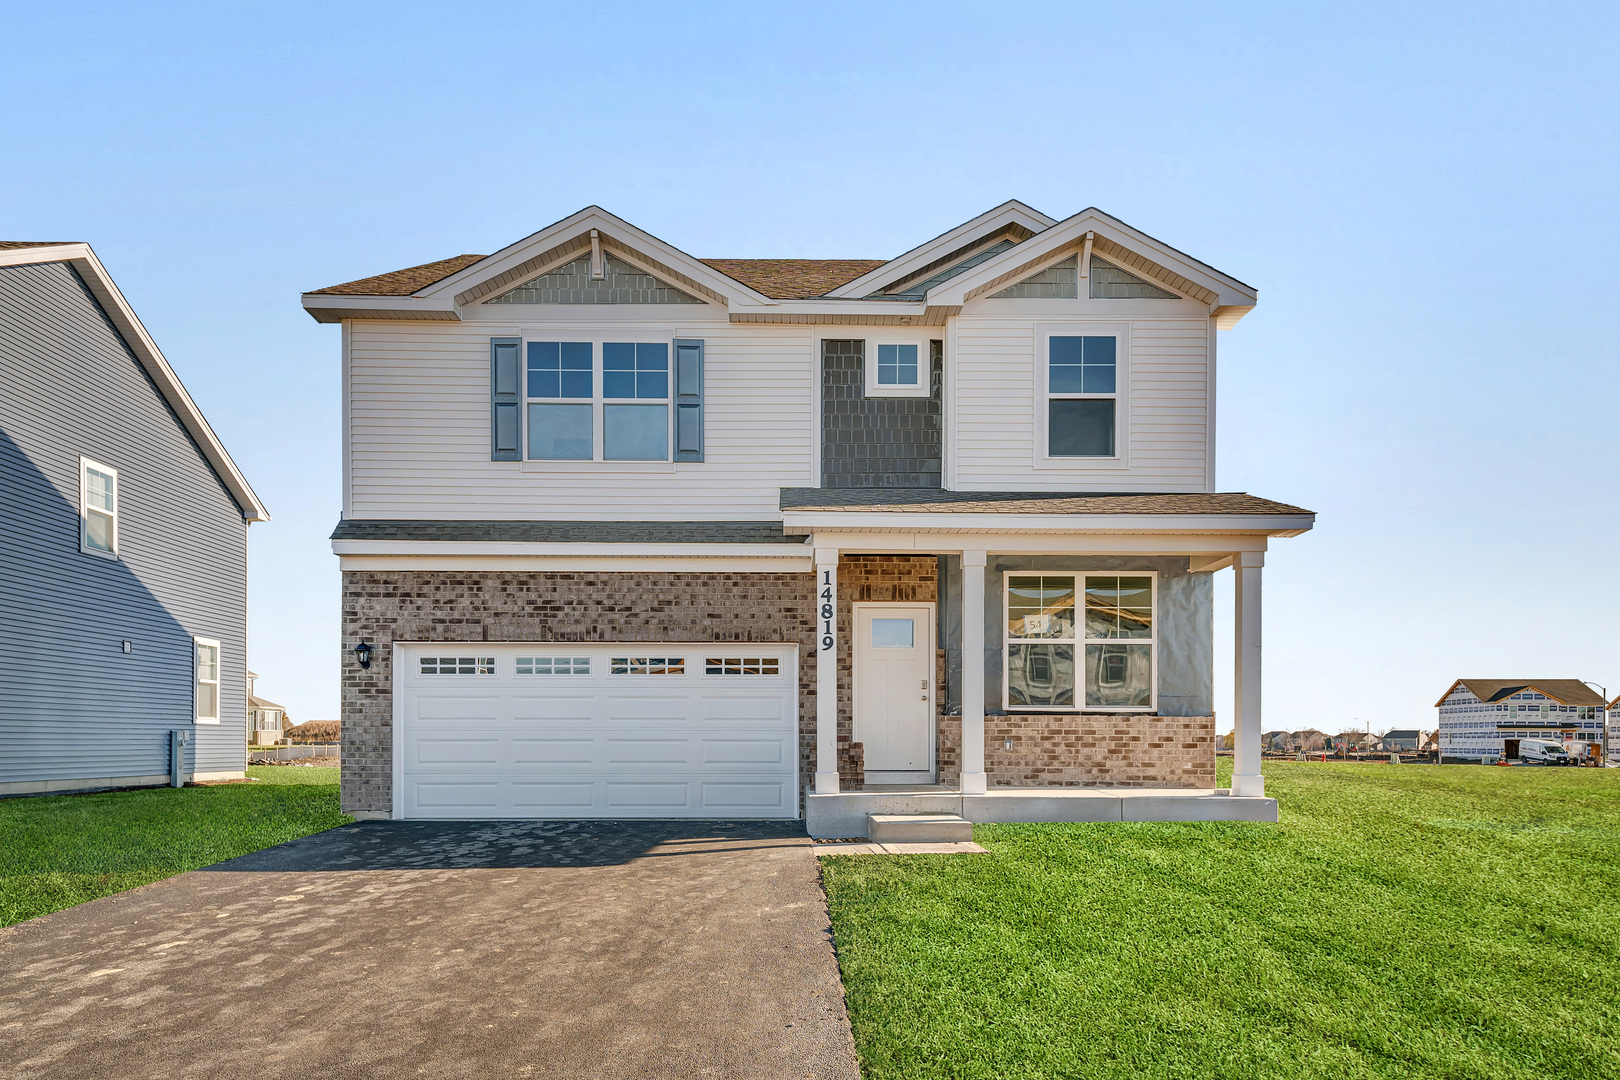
(844, 815)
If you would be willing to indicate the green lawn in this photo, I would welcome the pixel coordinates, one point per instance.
(1400, 921)
(62, 850)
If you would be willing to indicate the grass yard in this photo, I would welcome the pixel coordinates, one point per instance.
(1400, 921)
(61, 850)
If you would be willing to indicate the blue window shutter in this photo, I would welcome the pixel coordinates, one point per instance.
(688, 400)
(505, 400)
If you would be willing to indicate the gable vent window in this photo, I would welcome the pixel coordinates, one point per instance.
(572, 283)
(648, 665)
(553, 665)
(98, 509)
(458, 665)
(742, 666)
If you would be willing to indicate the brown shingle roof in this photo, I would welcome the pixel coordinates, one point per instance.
(932, 501)
(8, 245)
(401, 282)
(1563, 691)
(794, 279)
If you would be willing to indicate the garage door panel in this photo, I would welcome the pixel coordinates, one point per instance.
(741, 751)
(648, 751)
(497, 743)
(760, 798)
(453, 749)
(530, 751)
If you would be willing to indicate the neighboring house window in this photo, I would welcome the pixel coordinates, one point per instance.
(1103, 660)
(1082, 395)
(565, 411)
(98, 509)
(207, 692)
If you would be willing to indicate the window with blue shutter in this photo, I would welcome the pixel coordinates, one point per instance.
(505, 404)
(688, 400)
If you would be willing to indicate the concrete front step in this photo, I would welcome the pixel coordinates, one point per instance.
(918, 828)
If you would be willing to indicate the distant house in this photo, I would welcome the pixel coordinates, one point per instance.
(1480, 718)
(1401, 739)
(1278, 742)
(1310, 740)
(1353, 742)
(123, 545)
(267, 721)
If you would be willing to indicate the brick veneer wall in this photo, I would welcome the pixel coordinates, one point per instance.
(911, 579)
(1114, 750)
(383, 607)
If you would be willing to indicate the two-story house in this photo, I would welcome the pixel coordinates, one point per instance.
(631, 533)
(123, 545)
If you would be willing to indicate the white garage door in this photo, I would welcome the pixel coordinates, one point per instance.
(623, 731)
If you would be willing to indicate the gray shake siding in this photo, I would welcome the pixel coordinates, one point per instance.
(877, 442)
(73, 705)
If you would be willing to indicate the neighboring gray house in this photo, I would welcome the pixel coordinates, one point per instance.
(1401, 739)
(123, 544)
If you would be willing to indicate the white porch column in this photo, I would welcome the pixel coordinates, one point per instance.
(826, 671)
(1246, 778)
(974, 782)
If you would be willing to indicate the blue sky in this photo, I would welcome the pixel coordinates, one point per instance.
(1423, 194)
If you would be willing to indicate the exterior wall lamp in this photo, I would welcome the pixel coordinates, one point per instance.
(362, 653)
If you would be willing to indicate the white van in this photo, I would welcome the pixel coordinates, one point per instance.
(1543, 752)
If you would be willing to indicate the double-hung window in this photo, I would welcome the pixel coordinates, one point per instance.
(206, 694)
(1082, 395)
(1080, 641)
(98, 509)
(569, 420)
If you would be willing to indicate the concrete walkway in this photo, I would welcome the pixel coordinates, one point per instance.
(506, 949)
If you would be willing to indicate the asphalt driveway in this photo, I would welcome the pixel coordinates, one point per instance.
(429, 949)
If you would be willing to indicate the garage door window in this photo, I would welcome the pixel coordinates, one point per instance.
(553, 665)
(649, 665)
(742, 665)
(458, 665)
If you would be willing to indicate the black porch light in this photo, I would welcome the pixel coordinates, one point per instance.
(362, 653)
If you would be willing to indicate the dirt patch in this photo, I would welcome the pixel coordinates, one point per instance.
(328, 761)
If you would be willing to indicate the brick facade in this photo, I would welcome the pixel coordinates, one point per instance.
(1082, 750)
(384, 607)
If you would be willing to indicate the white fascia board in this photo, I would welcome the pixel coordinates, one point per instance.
(537, 549)
(327, 307)
(1230, 292)
(1196, 545)
(129, 326)
(594, 564)
(1011, 212)
(849, 307)
(1170, 524)
(593, 217)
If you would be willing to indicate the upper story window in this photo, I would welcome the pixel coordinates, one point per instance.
(98, 509)
(569, 420)
(896, 368)
(1082, 395)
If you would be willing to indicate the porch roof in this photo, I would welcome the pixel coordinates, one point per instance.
(936, 501)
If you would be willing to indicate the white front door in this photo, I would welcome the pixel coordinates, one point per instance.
(894, 691)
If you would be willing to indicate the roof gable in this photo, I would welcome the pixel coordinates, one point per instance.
(1012, 219)
(1563, 691)
(145, 350)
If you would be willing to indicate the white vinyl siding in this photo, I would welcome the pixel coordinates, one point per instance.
(419, 429)
(1164, 427)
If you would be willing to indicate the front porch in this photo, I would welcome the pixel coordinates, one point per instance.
(1046, 714)
(844, 814)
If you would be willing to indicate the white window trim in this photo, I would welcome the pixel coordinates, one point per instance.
(85, 510)
(1079, 641)
(197, 680)
(598, 400)
(869, 364)
(1121, 396)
